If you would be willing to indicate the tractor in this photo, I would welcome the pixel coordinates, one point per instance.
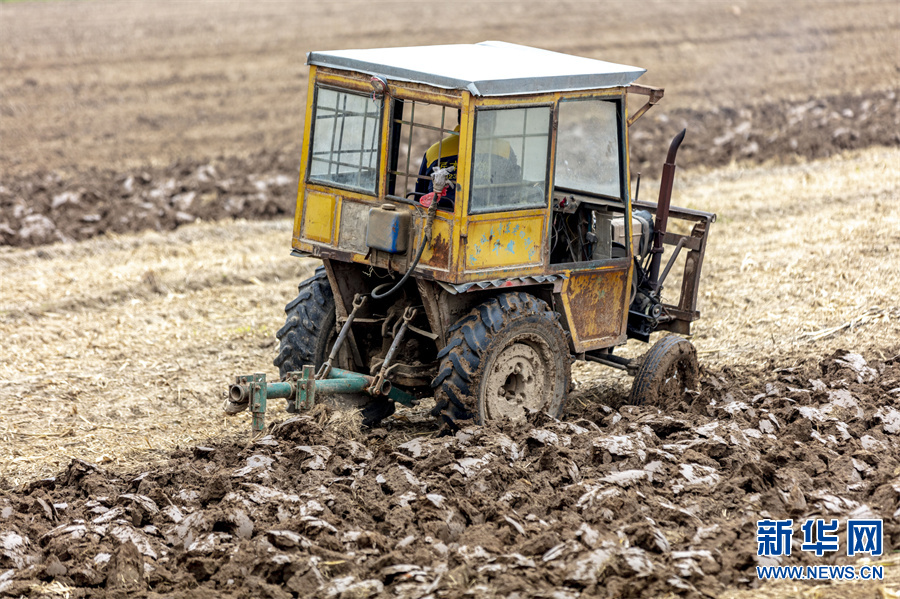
(472, 208)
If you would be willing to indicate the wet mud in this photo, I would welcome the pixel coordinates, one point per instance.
(627, 502)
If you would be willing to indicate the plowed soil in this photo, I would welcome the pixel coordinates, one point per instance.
(126, 129)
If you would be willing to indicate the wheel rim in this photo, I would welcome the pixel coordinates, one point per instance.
(519, 380)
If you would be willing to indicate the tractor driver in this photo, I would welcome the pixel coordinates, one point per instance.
(448, 150)
(501, 166)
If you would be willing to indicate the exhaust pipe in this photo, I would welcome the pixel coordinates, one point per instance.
(662, 209)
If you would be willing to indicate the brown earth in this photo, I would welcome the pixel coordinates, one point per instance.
(609, 503)
(119, 476)
(117, 350)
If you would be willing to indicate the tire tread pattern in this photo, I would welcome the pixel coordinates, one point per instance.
(304, 334)
(647, 375)
(462, 357)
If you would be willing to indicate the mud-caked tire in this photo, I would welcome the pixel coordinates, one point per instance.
(308, 332)
(666, 372)
(508, 357)
(307, 337)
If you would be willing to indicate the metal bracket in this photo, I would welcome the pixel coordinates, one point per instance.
(302, 391)
(299, 388)
(258, 395)
(654, 95)
(671, 263)
(423, 332)
(293, 378)
(306, 389)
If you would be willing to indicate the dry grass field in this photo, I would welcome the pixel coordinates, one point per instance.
(125, 309)
(140, 334)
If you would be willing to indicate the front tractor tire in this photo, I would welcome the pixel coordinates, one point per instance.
(666, 373)
(505, 359)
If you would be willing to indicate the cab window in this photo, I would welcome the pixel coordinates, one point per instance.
(345, 140)
(510, 159)
(424, 137)
(588, 153)
(589, 193)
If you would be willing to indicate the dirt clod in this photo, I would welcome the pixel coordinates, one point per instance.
(126, 568)
(646, 503)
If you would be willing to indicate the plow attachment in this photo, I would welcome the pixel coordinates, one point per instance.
(300, 390)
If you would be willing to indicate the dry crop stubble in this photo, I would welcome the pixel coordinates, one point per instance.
(119, 348)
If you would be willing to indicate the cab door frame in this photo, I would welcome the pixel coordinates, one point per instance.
(596, 294)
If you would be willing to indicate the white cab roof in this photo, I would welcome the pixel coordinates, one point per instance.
(484, 69)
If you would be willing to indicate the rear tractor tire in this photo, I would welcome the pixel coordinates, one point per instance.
(505, 359)
(666, 373)
(307, 337)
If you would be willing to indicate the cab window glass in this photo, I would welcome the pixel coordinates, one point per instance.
(345, 141)
(509, 165)
(588, 156)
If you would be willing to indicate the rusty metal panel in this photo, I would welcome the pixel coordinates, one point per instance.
(691, 277)
(437, 254)
(595, 302)
(501, 243)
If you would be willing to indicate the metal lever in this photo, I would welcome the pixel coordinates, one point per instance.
(670, 264)
(662, 210)
(358, 302)
(408, 315)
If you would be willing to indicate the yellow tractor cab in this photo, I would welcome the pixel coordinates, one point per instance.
(472, 208)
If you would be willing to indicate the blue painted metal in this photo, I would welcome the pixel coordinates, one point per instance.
(345, 385)
(278, 390)
(305, 382)
(401, 396)
(340, 373)
(300, 390)
(395, 394)
(256, 385)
